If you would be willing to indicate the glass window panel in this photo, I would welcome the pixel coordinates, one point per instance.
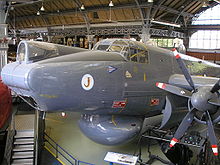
(164, 42)
(207, 39)
(170, 43)
(210, 16)
(160, 42)
(200, 44)
(115, 48)
(102, 47)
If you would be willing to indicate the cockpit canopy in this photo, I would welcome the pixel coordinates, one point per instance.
(131, 50)
(33, 51)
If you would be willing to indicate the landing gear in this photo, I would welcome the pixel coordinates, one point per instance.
(180, 154)
(192, 149)
(206, 156)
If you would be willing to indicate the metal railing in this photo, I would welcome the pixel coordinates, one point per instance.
(81, 162)
(62, 152)
(9, 146)
(10, 140)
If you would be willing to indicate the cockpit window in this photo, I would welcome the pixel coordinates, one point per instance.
(120, 42)
(115, 48)
(101, 47)
(131, 50)
(34, 51)
(38, 51)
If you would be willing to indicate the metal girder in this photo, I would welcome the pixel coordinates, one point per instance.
(204, 27)
(3, 12)
(157, 8)
(145, 17)
(183, 10)
(84, 14)
(2, 4)
(119, 30)
(140, 10)
(46, 21)
(23, 2)
(7, 11)
(174, 11)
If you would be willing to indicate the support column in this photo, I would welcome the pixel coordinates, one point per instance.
(145, 36)
(49, 35)
(3, 35)
(90, 39)
(39, 134)
(2, 11)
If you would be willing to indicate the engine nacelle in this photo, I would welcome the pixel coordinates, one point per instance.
(110, 129)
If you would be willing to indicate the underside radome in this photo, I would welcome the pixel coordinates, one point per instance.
(110, 129)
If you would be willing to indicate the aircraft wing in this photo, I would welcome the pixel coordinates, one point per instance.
(199, 81)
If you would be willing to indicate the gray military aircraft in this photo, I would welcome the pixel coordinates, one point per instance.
(117, 85)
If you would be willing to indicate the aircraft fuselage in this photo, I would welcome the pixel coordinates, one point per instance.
(96, 82)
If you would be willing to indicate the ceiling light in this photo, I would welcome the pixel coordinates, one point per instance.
(204, 4)
(111, 4)
(63, 114)
(38, 13)
(166, 23)
(82, 7)
(42, 8)
(150, 1)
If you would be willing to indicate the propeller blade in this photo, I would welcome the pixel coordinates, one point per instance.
(215, 101)
(186, 122)
(184, 69)
(216, 87)
(211, 135)
(167, 112)
(174, 89)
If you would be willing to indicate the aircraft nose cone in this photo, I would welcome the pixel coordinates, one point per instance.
(6, 73)
(16, 76)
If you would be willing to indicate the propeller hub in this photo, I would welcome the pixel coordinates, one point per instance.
(199, 99)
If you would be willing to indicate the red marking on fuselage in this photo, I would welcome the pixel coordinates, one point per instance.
(119, 104)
